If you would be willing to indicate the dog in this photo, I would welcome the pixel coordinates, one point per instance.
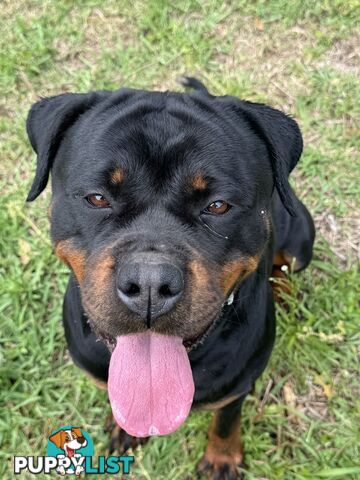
(172, 210)
(69, 440)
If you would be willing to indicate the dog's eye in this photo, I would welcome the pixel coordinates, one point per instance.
(97, 200)
(217, 208)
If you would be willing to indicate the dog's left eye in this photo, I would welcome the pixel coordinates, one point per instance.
(98, 201)
(219, 207)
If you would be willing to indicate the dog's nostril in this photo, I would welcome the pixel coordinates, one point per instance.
(165, 291)
(132, 290)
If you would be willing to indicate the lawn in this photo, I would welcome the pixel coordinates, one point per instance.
(302, 57)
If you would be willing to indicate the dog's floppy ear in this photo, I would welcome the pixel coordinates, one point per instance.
(58, 438)
(46, 125)
(77, 431)
(284, 141)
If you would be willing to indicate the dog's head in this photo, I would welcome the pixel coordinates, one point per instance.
(160, 201)
(69, 440)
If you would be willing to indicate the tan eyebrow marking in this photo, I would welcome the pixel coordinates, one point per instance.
(117, 175)
(198, 182)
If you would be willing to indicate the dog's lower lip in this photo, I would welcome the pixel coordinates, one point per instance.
(193, 342)
(110, 342)
(189, 343)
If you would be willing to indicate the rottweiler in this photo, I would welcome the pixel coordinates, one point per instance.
(173, 210)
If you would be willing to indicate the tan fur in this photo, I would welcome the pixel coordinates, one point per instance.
(200, 273)
(73, 257)
(222, 451)
(100, 275)
(198, 182)
(237, 270)
(281, 257)
(117, 175)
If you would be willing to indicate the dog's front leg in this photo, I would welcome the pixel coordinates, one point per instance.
(224, 455)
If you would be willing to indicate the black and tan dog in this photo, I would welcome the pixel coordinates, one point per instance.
(172, 210)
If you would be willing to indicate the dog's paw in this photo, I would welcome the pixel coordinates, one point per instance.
(217, 466)
(120, 441)
(61, 470)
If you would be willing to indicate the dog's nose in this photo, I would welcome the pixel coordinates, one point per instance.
(150, 287)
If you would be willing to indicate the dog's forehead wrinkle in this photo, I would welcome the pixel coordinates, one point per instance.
(159, 146)
(150, 114)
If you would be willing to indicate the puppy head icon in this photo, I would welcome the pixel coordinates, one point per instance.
(69, 440)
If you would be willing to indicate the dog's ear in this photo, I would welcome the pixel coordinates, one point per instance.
(77, 431)
(46, 125)
(58, 438)
(283, 139)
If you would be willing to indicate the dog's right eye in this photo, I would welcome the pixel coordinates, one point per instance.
(217, 208)
(97, 200)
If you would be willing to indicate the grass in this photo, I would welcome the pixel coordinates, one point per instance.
(302, 57)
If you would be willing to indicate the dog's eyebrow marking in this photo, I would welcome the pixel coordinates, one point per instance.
(198, 182)
(117, 175)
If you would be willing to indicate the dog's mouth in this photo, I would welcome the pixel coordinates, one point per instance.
(150, 384)
(69, 451)
(190, 343)
(150, 381)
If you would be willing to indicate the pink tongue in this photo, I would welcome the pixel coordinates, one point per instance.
(150, 384)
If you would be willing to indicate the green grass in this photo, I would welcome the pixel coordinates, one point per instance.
(298, 56)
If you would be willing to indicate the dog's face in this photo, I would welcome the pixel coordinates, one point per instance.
(161, 201)
(69, 440)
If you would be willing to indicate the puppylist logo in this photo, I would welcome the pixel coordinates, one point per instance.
(70, 451)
